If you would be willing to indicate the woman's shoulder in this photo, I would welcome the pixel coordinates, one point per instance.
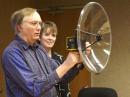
(57, 56)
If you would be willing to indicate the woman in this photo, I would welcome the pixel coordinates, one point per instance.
(47, 40)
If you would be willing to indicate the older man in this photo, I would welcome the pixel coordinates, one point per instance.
(29, 71)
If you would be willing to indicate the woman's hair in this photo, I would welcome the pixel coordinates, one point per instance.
(17, 17)
(46, 25)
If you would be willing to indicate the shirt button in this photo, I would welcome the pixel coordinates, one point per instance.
(55, 81)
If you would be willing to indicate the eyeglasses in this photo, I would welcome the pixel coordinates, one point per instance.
(34, 23)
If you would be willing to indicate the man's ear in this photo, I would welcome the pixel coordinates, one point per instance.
(18, 28)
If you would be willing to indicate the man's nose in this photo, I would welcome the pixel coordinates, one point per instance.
(39, 26)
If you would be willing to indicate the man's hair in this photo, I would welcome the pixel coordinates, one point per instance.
(48, 24)
(17, 17)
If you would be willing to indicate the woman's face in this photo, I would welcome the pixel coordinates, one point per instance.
(48, 38)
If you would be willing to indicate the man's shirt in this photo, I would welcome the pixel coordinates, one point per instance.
(29, 72)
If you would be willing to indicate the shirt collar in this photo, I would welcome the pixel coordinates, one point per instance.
(24, 44)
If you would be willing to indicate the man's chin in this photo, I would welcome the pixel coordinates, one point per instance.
(37, 38)
(49, 46)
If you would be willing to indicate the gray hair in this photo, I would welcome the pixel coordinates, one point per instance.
(17, 17)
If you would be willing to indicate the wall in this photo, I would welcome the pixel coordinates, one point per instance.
(117, 73)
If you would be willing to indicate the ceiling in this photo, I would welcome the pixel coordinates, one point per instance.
(59, 4)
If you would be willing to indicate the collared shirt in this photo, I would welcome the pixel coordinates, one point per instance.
(29, 72)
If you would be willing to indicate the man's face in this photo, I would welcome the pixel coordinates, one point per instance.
(30, 28)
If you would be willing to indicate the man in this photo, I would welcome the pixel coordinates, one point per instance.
(29, 72)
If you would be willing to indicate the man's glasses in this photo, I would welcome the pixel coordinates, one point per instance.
(34, 23)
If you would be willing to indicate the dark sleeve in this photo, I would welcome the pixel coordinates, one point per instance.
(72, 73)
(20, 73)
(69, 76)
